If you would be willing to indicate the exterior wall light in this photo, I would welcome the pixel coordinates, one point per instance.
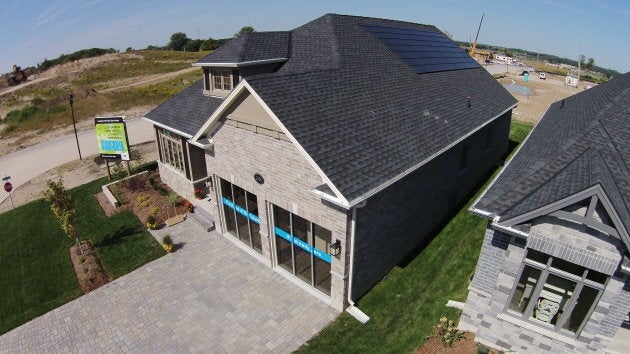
(259, 178)
(335, 248)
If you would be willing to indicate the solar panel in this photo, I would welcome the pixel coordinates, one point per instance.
(424, 51)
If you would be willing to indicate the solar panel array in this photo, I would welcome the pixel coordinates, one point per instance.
(424, 51)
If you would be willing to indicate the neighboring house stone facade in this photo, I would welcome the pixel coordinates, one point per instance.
(328, 154)
(553, 273)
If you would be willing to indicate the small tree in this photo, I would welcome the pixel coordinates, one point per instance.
(62, 206)
(243, 30)
(208, 44)
(178, 41)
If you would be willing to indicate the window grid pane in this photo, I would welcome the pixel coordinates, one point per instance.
(563, 301)
(172, 151)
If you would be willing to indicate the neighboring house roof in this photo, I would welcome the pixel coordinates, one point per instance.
(255, 46)
(187, 110)
(361, 111)
(580, 142)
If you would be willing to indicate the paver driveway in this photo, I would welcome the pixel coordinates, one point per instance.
(209, 296)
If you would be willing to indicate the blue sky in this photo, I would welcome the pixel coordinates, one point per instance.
(33, 30)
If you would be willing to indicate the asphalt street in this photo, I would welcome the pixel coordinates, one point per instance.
(28, 163)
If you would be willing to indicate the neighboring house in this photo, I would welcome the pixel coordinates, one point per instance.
(330, 151)
(572, 80)
(553, 271)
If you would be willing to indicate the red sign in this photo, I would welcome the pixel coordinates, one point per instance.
(8, 187)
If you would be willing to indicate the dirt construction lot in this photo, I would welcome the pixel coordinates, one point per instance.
(543, 92)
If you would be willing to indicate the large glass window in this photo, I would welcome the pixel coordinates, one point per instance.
(240, 210)
(554, 293)
(302, 248)
(171, 150)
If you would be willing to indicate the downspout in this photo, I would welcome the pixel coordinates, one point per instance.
(352, 309)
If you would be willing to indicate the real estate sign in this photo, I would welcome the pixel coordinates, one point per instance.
(111, 134)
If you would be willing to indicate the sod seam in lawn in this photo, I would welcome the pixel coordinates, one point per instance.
(37, 274)
(406, 305)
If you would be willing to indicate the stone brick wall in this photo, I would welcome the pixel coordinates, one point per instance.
(497, 270)
(177, 181)
(240, 153)
(399, 218)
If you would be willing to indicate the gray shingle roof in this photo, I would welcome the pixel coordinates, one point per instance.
(251, 47)
(187, 110)
(577, 144)
(360, 111)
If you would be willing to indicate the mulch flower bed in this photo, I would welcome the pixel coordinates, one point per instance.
(144, 194)
(466, 345)
(88, 268)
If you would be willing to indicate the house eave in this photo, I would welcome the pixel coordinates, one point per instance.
(241, 64)
(178, 132)
(330, 198)
(410, 170)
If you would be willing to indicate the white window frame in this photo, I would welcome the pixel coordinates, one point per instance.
(221, 80)
(171, 150)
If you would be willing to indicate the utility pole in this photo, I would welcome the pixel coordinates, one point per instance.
(71, 100)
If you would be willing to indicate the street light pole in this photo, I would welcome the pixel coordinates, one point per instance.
(71, 100)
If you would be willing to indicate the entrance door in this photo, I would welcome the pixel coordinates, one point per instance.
(301, 248)
(240, 213)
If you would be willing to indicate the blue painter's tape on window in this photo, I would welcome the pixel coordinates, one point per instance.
(285, 235)
(324, 256)
(303, 245)
(239, 209)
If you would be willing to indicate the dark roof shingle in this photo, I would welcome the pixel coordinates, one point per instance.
(248, 47)
(361, 112)
(580, 142)
(187, 111)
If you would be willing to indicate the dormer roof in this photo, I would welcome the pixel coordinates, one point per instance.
(250, 49)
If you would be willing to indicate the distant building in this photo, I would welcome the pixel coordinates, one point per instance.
(571, 80)
(503, 58)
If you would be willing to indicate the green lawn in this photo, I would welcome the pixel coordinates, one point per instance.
(409, 302)
(37, 274)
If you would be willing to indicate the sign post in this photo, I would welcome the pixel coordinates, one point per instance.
(113, 142)
(8, 187)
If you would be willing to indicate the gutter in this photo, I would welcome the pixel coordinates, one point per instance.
(241, 64)
(495, 225)
(412, 169)
(353, 309)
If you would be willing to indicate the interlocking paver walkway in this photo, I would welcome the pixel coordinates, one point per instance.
(209, 296)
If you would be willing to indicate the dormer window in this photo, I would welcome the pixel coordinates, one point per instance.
(222, 80)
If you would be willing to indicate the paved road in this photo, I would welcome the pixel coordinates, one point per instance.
(26, 164)
(209, 297)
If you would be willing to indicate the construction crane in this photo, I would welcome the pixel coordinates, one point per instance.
(474, 46)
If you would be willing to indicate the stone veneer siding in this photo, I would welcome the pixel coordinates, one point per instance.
(240, 153)
(176, 180)
(399, 218)
(497, 270)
